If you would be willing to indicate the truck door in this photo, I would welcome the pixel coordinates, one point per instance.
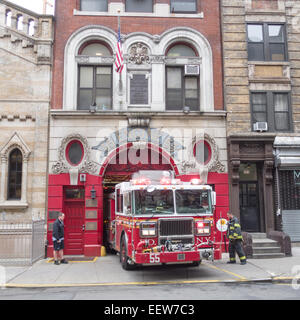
(118, 211)
(108, 221)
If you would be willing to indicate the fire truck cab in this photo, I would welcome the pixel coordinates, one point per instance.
(156, 219)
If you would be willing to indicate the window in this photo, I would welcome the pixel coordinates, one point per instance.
(202, 152)
(182, 91)
(182, 88)
(20, 22)
(15, 175)
(266, 42)
(119, 202)
(95, 81)
(31, 27)
(74, 152)
(139, 6)
(8, 18)
(186, 6)
(273, 108)
(93, 5)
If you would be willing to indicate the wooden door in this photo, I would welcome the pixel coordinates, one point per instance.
(74, 223)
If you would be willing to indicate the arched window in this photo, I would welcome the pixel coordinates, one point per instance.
(8, 18)
(181, 50)
(95, 78)
(15, 175)
(182, 80)
(31, 27)
(20, 22)
(95, 49)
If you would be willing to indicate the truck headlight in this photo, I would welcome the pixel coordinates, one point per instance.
(147, 229)
(202, 228)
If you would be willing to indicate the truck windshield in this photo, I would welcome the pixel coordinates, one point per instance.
(155, 202)
(193, 201)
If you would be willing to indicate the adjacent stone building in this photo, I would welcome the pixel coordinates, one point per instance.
(25, 74)
(261, 44)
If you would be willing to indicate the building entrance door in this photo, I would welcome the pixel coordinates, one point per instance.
(249, 197)
(249, 207)
(74, 221)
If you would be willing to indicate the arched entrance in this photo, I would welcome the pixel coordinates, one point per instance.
(119, 167)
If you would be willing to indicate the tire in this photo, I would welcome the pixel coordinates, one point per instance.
(196, 263)
(124, 257)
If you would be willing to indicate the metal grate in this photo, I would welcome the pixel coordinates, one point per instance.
(22, 243)
(175, 227)
(291, 224)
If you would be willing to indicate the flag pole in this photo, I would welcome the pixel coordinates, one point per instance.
(119, 29)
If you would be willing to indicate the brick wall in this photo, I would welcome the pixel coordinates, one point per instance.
(67, 23)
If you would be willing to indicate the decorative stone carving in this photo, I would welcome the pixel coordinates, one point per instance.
(235, 175)
(187, 166)
(214, 165)
(63, 166)
(139, 54)
(192, 166)
(138, 122)
(268, 171)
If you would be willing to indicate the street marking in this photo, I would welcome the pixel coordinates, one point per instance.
(226, 271)
(79, 261)
(51, 285)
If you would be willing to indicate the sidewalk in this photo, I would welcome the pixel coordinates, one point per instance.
(104, 271)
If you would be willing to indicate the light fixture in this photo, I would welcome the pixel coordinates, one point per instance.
(93, 193)
(247, 169)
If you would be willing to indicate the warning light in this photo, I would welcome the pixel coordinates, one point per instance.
(165, 181)
(195, 181)
(141, 181)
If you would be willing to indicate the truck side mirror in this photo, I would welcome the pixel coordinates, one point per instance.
(213, 198)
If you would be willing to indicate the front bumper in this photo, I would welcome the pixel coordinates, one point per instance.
(173, 257)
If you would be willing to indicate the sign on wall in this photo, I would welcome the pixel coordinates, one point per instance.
(297, 177)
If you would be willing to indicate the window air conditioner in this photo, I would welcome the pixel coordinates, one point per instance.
(191, 69)
(260, 126)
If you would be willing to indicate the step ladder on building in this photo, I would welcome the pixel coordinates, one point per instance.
(264, 248)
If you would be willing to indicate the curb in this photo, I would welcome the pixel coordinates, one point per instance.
(147, 283)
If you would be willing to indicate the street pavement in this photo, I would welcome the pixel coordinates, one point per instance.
(107, 271)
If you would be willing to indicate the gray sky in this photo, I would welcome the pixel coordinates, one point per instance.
(34, 5)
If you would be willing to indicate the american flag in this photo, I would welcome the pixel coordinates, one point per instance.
(119, 55)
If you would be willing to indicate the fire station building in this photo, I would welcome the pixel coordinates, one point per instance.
(164, 111)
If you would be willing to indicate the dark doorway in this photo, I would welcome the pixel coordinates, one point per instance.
(249, 206)
(249, 198)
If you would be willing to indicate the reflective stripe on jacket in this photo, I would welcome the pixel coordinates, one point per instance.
(234, 229)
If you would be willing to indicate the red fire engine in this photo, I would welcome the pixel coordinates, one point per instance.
(156, 219)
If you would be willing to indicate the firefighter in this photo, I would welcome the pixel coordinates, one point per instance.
(235, 237)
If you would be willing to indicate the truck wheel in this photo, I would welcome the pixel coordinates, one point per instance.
(123, 256)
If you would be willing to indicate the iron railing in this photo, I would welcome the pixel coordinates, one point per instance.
(22, 243)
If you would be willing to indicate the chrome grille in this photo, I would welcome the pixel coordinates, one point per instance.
(175, 227)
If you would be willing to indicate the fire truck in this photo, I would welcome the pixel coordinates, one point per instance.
(157, 219)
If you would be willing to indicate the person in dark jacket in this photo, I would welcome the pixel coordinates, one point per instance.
(235, 237)
(58, 240)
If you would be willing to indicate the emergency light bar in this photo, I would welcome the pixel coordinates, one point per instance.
(140, 181)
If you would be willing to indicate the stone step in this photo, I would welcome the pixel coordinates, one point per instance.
(268, 255)
(258, 235)
(264, 243)
(258, 250)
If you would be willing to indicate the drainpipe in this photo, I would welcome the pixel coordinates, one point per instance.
(276, 154)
